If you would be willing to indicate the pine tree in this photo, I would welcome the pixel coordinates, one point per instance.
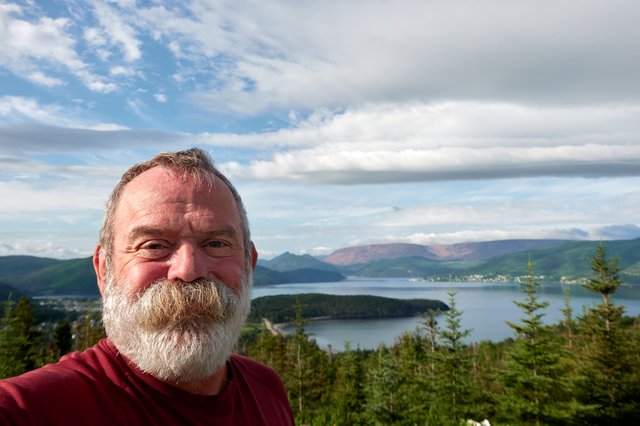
(88, 330)
(568, 325)
(306, 367)
(348, 390)
(20, 341)
(609, 380)
(386, 402)
(62, 338)
(454, 365)
(431, 330)
(534, 381)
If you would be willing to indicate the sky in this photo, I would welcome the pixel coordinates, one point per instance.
(341, 123)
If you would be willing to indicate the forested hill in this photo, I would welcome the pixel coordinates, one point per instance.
(290, 262)
(554, 261)
(36, 276)
(568, 260)
(7, 291)
(282, 308)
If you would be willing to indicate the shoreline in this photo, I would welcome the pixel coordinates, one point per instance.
(277, 329)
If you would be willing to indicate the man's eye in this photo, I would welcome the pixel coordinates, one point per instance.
(215, 244)
(154, 249)
(153, 246)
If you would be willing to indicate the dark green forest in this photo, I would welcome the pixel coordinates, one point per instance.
(281, 308)
(584, 370)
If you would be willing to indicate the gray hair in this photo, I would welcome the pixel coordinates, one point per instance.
(194, 163)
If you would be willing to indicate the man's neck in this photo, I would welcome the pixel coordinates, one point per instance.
(208, 387)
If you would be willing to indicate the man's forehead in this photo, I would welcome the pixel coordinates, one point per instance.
(162, 180)
(163, 185)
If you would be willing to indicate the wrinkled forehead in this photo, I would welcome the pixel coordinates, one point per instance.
(159, 187)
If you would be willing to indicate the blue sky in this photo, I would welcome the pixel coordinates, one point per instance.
(341, 123)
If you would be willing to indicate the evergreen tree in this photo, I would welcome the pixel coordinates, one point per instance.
(609, 380)
(62, 338)
(20, 342)
(306, 366)
(605, 282)
(568, 325)
(431, 331)
(271, 350)
(454, 365)
(386, 403)
(348, 390)
(88, 330)
(534, 381)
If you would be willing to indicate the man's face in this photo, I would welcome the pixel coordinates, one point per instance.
(167, 228)
(178, 287)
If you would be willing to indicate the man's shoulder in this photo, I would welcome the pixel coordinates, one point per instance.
(56, 388)
(262, 385)
(69, 367)
(71, 374)
(253, 370)
(247, 363)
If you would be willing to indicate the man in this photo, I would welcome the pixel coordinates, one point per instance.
(174, 267)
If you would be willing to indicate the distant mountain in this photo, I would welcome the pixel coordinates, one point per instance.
(290, 262)
(7, 290)
(34, 276)
(553, 259)
(569, 260)
(413, 267)
(16, 267)
(372, 252)
(461, 251)
(265, 276)
(42, 276)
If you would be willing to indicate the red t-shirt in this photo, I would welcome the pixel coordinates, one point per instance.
(100, 387)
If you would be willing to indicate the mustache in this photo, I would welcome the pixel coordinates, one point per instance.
(169, 304)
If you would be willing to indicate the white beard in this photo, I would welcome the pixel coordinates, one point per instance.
(176, 331)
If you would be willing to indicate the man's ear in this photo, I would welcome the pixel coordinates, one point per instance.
(100, 266)
(254, 256)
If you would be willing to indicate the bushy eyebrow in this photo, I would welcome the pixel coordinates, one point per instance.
(146, 230)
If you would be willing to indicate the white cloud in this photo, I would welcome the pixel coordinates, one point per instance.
(119, 70)
(25, 117)
(17, 109)
(21, 198)
(24, 45)
(94, 37)
(402, 51)
(44, 80)
(45, 248)
(160, 97)
(443, 141)
(118, 30)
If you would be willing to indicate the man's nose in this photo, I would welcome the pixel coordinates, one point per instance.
(187, 264)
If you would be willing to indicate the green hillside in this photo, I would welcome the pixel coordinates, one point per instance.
(16, 267)
(291, 262)
(74, 276)
(412, 267)
(7, 290)
(281, 308)
(265, 276)
(35, 276)
(571, 259)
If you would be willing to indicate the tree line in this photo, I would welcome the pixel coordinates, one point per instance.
(584, 370)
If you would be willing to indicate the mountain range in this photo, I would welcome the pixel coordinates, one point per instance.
(554, 261)
(461, 251)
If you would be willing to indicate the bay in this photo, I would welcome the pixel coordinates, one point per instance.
(485, 307)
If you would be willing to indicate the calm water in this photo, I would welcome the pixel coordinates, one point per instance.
(485, 307)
